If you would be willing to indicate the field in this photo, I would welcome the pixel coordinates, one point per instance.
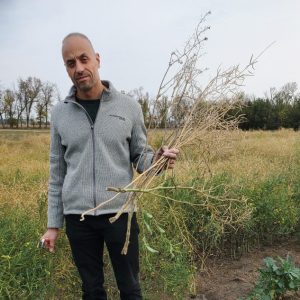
(250, 197)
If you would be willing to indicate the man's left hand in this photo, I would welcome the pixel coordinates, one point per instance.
(171, 154)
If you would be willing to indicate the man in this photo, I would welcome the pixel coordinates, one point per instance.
(97, 137)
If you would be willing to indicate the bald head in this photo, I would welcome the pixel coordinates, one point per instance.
(76, 35)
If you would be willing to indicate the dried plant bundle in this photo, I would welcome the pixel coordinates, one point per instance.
(201, 110)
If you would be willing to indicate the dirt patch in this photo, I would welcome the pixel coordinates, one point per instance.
(232, 279)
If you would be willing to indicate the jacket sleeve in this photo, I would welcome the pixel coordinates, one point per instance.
(141, 154)
(56, 180)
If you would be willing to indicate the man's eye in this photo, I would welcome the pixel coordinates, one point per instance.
(84, 59)
(70, 64)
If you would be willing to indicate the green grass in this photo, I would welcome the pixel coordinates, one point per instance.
(27, 272)
(175, 238)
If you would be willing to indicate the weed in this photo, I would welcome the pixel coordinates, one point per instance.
(276, 279)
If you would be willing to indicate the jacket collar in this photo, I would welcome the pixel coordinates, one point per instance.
(107, 93)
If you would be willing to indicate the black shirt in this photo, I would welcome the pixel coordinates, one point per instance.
(91, 106)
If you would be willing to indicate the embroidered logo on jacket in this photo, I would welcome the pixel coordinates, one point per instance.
(119, 117)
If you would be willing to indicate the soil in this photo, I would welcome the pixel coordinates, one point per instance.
(229, 279)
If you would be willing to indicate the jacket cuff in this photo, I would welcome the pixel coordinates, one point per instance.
(55, 222)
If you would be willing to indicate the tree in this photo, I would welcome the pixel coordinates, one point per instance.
(294, 115)
(180, 106)
(284, 100)
(144, 101)
(1, 109)
(48, 91)
(28, 92)
(20, 106)
(41, 113)
(162, 108)
(9, 106)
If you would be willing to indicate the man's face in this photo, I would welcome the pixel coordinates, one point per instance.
(81, 62)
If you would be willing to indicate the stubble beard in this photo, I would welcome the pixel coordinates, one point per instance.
(85, 86)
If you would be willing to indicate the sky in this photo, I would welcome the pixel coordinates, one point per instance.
(136, 37)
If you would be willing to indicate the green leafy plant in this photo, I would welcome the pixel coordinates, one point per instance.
(276, 279)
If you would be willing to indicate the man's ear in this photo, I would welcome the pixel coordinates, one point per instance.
(98, 59)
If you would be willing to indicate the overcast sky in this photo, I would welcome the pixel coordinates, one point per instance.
(135, 38)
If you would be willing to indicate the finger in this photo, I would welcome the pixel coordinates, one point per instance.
(174, 150)
(51, 246)
(170, 155)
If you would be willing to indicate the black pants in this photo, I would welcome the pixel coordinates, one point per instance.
(87, 241)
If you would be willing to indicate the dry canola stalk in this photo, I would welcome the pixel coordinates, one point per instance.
(207, 110)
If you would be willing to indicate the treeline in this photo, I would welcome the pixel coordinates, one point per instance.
(277, 109)
(28, 104)
(162, 113)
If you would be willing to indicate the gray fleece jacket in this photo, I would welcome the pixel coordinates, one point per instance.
(87, 157)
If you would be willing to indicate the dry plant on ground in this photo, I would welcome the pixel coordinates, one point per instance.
(203, 120)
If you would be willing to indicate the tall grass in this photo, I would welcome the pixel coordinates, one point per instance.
(260, 169)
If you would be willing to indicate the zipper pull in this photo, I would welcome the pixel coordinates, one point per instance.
(92, 127)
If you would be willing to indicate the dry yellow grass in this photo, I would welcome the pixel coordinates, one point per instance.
(23, 167)
(260, 154)
(24, 159)
(250, 155)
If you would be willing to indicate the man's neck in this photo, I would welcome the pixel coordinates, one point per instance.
(94, 93)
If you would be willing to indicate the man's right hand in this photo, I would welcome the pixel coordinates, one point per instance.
(49, 238)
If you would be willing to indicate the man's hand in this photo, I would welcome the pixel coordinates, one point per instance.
(171, 154)
(49, 238)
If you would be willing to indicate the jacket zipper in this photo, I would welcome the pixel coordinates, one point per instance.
(94, 167)
(94, 147)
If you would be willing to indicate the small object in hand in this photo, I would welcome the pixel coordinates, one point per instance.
(41, 243)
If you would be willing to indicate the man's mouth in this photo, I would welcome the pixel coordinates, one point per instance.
(82, 78)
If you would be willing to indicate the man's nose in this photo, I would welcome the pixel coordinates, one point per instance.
(79, 67)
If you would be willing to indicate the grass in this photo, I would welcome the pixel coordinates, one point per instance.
(261, 169)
